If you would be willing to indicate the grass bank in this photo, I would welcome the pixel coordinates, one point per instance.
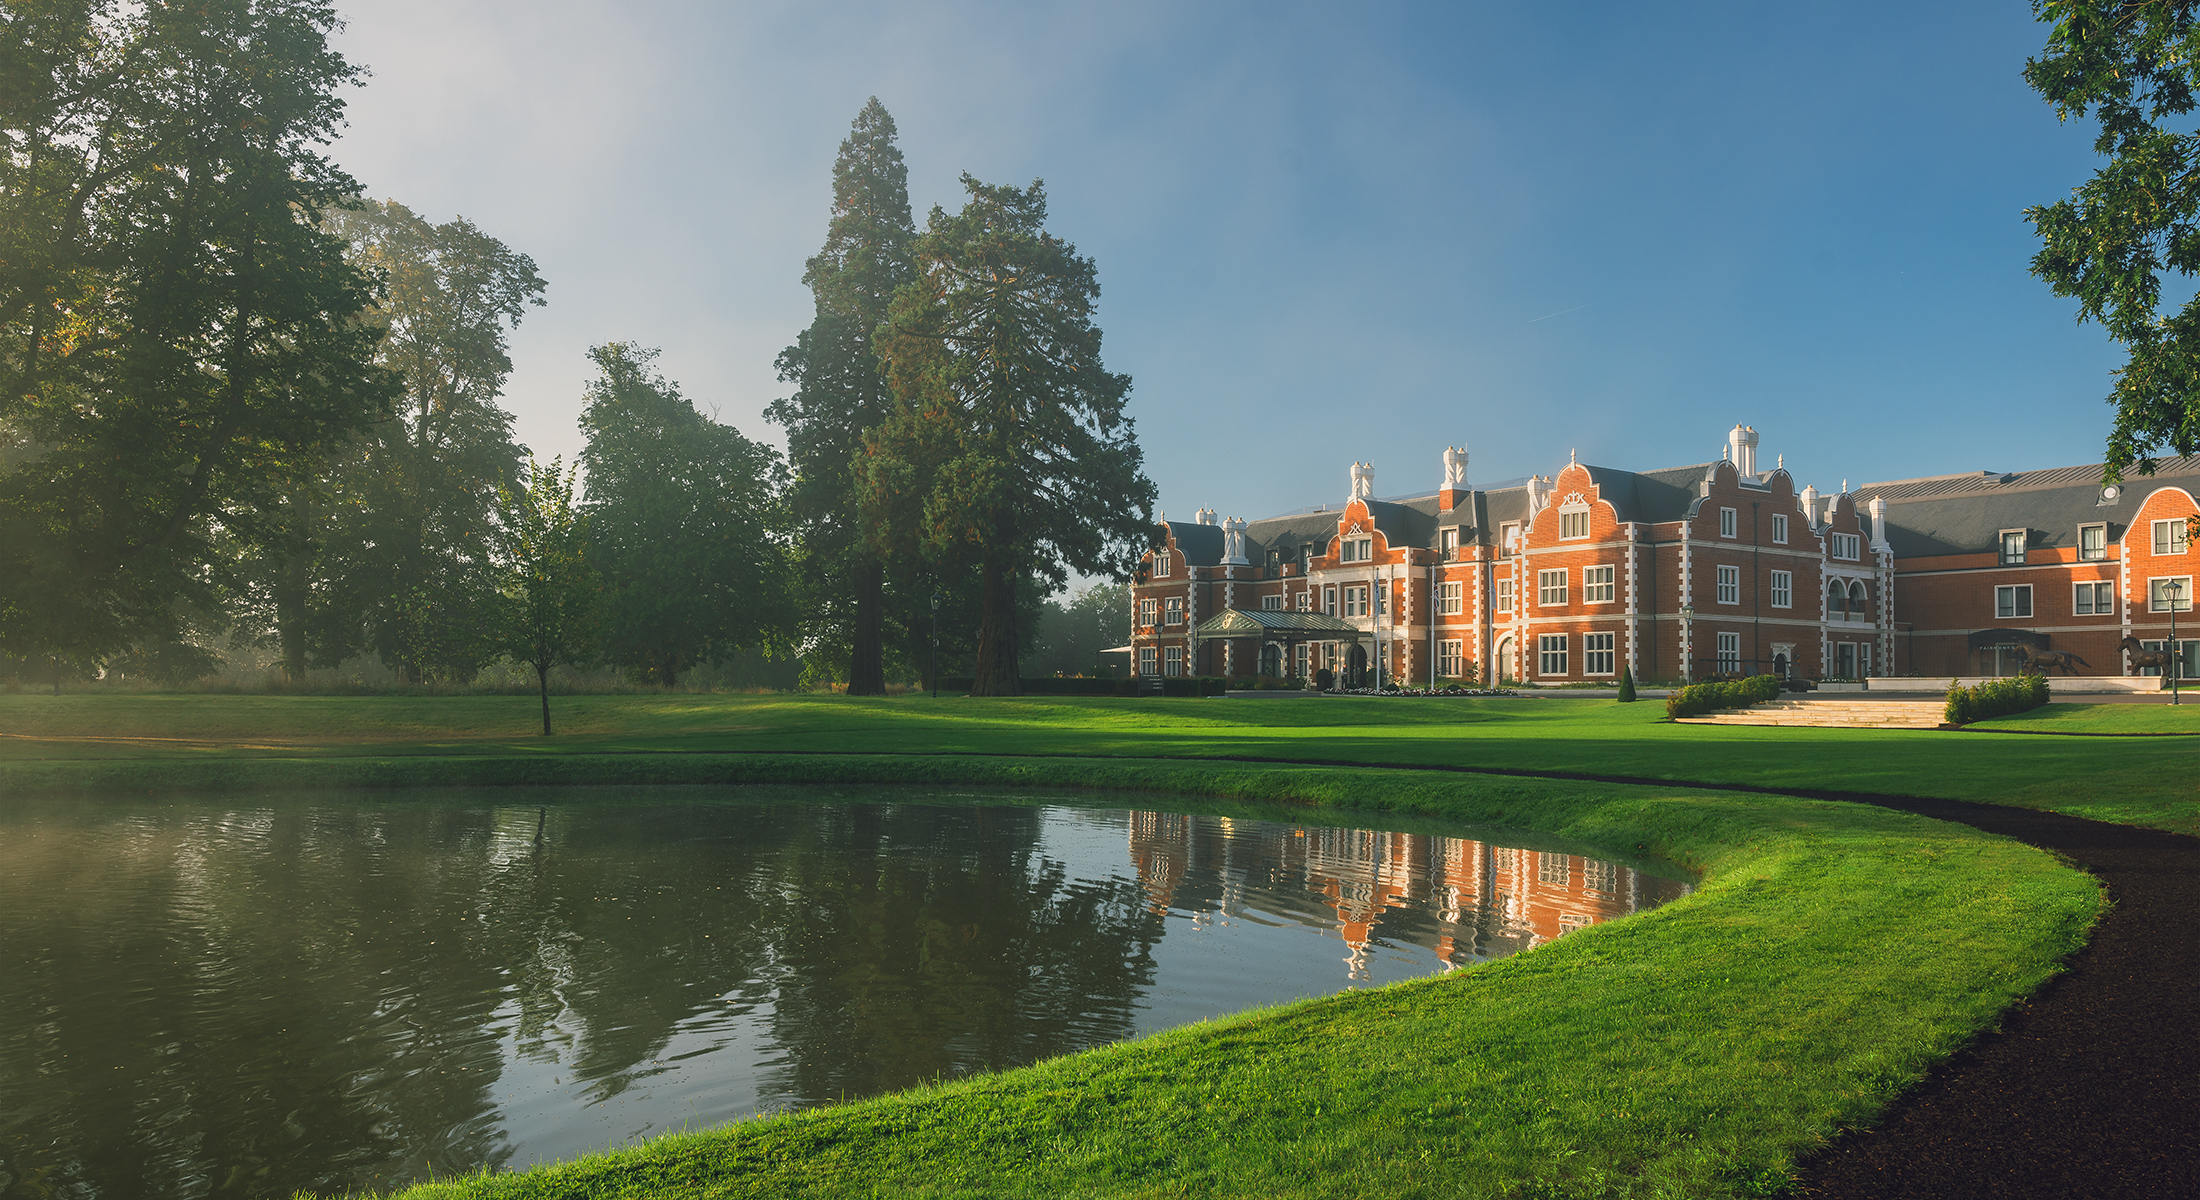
(139, 742)
(1831, 955)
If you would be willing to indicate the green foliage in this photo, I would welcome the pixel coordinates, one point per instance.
(1699, 698)
(840, 396)
(179, 338)
(1994, 698)
(2133, 67)
(1008, 449)
(553, 597)
(1071, 636)
(1626, 684)
(166, 663)
(684, 518)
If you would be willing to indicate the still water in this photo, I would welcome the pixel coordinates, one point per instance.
(200, 998)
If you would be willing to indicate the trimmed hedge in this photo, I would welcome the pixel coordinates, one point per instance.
(1699, 698)
(1994, 698)
(1176, 685)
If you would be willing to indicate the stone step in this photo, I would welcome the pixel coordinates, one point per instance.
(1829, 714)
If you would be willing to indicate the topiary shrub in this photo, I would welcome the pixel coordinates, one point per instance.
(1626, 685)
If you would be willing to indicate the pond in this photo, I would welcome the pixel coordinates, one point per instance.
(244, 998)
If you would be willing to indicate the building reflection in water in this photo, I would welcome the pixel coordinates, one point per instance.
(1462, 901)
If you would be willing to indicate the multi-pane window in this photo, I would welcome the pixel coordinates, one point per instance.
(1553, 869)
(1730, 585)
(1146, 611)
(1846, 545)
(1600, 876)
(2162, 592)
(1146, 661)
(1504, 595)
(1728, 521)
(2093, 599)
(1507, 535)
(1783, 589)
(1299, 660)
(1329, 600)
(1780, 528)
(1550, 586)
(1730, 653)
(2012, 547)
(1860, 601)
(1450, 664)
(1597, 655)
(1598, 585)
(1551, 653)
(1355, 601)
(1837, 601)
(1160, 564)
(1447, 599)
(1174, 608)
(1447, 540)
(1173, 660)
(2169, 536)
(2013, 600)
(1306, 600)
(1358, 550)
(2092, 542)
(1271, 603)
(1574, 524)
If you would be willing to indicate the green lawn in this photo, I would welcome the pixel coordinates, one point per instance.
(208, 740)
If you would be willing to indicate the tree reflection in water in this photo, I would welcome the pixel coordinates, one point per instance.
(201, 999)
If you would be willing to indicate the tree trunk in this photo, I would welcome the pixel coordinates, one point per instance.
(542, 677)
(997, 634)
(867, 660)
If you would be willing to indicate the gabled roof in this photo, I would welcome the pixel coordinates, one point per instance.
(1251, 622)
(1965, 514)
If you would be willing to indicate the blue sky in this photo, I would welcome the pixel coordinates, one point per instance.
(1324, 232)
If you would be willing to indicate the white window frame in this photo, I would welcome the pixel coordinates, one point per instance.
(1599, 654)
(1447, 542)
(1599, 585)
(2017, 598)
(1780, 529)
(2001, 547)
(1172, 661)
(1846, 546)
(1447, 598)
(1508, 537)
(1355, 600)
(1329, 599)
(1450, 662)
(1149, 660)
(2171, 536)
(1148, 610)
(1271, 603)
(1550, 651)
(1504, 595)
(1306, 599)
(1172, 610)
(1783, 589)
(1161, 564)
(1573, 523)
(2160, 603)
(1357, 550)
(1730, 523)
(2093, 553)
(2100, 599)
(1730, 585)
(1729, 653)
(1548, 594)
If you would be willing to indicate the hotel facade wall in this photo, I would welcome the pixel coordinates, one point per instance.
(1694, 572)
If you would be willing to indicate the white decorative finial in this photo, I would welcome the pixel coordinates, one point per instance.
(1783, 459)
(1573, 456)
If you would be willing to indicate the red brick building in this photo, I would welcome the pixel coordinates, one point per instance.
(1712, 569)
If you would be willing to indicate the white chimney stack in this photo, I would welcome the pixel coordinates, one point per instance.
(1810, 505)
(1205, 516)
(1879, 522)
(1741, 450)
(1455, 468)
(1363, 481)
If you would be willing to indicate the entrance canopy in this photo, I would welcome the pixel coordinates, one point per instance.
(1272, 625)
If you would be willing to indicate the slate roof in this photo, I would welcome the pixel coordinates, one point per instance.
(1965, 514)
(1201, 545)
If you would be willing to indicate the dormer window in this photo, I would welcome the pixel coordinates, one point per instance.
(1845, 545)
(2012, 547)
(1160, 564)
(2092, 543)
(1573, 523)
(1356, 550)
(1508, 539)
(1447, 542)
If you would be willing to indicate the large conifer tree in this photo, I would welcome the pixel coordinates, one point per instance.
(840, 394)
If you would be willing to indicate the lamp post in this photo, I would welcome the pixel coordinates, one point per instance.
(2176, 590)
(936, 645)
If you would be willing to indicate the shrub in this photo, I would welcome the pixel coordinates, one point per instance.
(1699, 698)
(1324, 679)
(1626, 685)
(1994, 698)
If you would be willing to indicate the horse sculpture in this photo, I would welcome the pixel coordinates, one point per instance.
(2143, 657)
(2047, 660)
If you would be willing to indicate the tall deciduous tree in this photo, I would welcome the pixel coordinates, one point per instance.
(1008, 449)
(840, 395)
(684, 515)
(553, 596)
(180, 340)
(2133, 65)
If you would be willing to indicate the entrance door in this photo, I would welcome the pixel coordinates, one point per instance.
(1355, 666)
(1848, 660)
(1271, 659)
(1505, 665)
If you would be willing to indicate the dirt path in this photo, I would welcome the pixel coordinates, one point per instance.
(2092, 1088)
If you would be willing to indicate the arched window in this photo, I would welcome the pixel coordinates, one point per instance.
(1837, 600)
(1271, 659)
(1860, 601)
